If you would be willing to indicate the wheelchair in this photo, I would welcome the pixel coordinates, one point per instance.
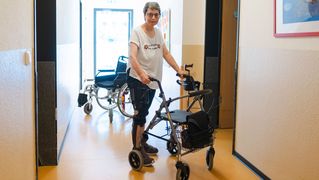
(186, 131)
(110, 90)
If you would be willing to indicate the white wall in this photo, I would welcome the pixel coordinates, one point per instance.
(194, 22)
(194, 38)
(68, 63)
(12, 34)
(17, 118)
(277, 97)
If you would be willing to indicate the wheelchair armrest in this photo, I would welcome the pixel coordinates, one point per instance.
(121, 73)
(106, 70)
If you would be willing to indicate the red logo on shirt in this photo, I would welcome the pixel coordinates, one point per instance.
(152, 46)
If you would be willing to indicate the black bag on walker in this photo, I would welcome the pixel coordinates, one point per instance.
(198, 133)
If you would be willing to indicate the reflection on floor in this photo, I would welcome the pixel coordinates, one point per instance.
(95, 149)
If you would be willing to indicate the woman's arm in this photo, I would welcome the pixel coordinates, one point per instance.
(171, 61)
(136, 65)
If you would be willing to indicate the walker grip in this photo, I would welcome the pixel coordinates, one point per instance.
(156, 80)
(200, 92)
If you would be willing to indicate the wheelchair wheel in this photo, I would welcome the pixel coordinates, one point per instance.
(210, 158)
(136, 160)
(88, 107)
(106, 98)
(124, 101)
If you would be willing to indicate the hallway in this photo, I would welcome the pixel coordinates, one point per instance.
(95, 149)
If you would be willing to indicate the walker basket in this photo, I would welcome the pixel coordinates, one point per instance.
(198, 133)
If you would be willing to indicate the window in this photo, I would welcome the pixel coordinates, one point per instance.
(112, 29)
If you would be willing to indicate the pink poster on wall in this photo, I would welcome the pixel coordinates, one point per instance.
(165, 25)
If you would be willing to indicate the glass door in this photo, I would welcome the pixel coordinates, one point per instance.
(112, 30)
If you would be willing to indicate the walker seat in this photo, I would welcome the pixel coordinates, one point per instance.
(177, 116)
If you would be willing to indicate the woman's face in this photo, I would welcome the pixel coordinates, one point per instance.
(152, 16)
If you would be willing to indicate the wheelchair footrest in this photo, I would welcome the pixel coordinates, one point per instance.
(82, 99)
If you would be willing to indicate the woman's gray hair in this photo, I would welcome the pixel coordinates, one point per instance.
(151, 5)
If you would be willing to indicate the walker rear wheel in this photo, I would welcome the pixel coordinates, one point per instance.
(171, 147)
(136, 160)
(210, 158)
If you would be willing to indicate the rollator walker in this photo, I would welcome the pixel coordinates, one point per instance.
(187, 131)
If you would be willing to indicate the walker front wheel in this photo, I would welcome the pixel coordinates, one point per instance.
(182, 171)
(136, 160)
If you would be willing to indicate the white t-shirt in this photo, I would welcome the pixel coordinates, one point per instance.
(149, 55)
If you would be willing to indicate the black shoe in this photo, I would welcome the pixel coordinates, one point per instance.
(149, 149)
(148, 161)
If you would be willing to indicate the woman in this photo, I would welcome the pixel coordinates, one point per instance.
(147, 50)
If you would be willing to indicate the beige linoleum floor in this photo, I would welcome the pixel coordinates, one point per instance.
(95, 149)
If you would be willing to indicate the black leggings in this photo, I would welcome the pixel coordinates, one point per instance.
(142, 97)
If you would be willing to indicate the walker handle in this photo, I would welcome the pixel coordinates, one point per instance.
(159, 84)
(200, 92)
(153, 79)
(182, 75)
(186, 76)
(186, 66)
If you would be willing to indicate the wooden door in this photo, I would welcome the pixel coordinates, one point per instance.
(228, 58)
